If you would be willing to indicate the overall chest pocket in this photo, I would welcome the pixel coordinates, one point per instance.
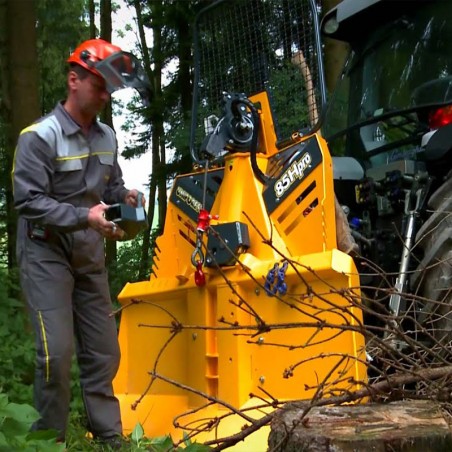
(106, 164)
(68, 176)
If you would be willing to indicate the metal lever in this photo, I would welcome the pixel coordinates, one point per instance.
(395, 301)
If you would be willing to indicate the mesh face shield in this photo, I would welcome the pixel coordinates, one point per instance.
(123, 70)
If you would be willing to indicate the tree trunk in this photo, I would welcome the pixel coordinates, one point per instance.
(19, 90)
(105, 20)
(4, 118)
(92, 19)
(111, 251)
(185, 40)
(407, 426)
(155, 77)
(158, 134)
(185, 62)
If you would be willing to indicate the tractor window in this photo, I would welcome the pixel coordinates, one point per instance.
(393, 77)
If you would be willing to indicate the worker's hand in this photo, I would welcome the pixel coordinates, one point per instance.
(133, 196)
(97, 220)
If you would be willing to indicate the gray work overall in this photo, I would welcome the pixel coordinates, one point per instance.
(58, 175)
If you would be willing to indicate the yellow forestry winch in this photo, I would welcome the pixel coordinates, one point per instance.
(251, 304)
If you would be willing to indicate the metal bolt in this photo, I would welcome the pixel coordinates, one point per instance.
(194, 336)
(260, 340)
(261, 379)
(257, 291)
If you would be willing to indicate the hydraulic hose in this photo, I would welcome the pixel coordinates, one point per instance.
(261, 177)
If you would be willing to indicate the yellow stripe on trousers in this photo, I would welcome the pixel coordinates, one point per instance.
(46, 348)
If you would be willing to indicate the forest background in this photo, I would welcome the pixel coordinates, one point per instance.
(36, 37)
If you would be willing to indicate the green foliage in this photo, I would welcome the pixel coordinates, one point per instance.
(16, 345)
(15, 423)
(62, 25)
(127, 266)
(135, 442)
(172, 104)
(76, 437)
(77, 406)
(162, 443)
(17, 349)
(289, 100)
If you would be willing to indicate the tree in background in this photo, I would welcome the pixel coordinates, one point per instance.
(165, 123)
(61, 26)
(19, 97)
(35, 38)
(107, 114)
(167, 60)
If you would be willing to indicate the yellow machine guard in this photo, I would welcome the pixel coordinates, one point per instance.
(192, 355)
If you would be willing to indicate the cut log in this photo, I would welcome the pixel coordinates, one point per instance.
(408, 426)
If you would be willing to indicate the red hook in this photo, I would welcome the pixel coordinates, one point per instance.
(200, 277)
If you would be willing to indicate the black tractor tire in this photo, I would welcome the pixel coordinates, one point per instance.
(432, 280)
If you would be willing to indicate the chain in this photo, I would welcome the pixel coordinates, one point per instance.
(197, 257)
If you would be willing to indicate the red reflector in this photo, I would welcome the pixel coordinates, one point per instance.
(440, 117)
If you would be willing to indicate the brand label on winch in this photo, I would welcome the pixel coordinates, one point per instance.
(190, 190)
(298, 162)
(188, 199)
(296, 171)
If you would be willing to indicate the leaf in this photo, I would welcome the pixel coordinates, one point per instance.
(43, 435)
(3, 441)
(12, 303)
(137, 433)
(22, 413)
(163, 442)
(3, 401)
(13, 428)
(187, 440)
(47, 446)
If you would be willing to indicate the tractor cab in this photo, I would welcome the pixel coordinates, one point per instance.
(396, 87)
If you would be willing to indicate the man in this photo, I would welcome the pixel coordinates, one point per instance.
(65, 174)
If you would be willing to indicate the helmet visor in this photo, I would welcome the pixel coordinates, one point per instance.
(123, 70)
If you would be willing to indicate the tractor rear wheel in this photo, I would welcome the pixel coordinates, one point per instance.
(432, 280)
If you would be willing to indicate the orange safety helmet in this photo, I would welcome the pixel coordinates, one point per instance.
(91, 52)
(119, 69)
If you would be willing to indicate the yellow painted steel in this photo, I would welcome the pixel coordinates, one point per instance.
(229, 339)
